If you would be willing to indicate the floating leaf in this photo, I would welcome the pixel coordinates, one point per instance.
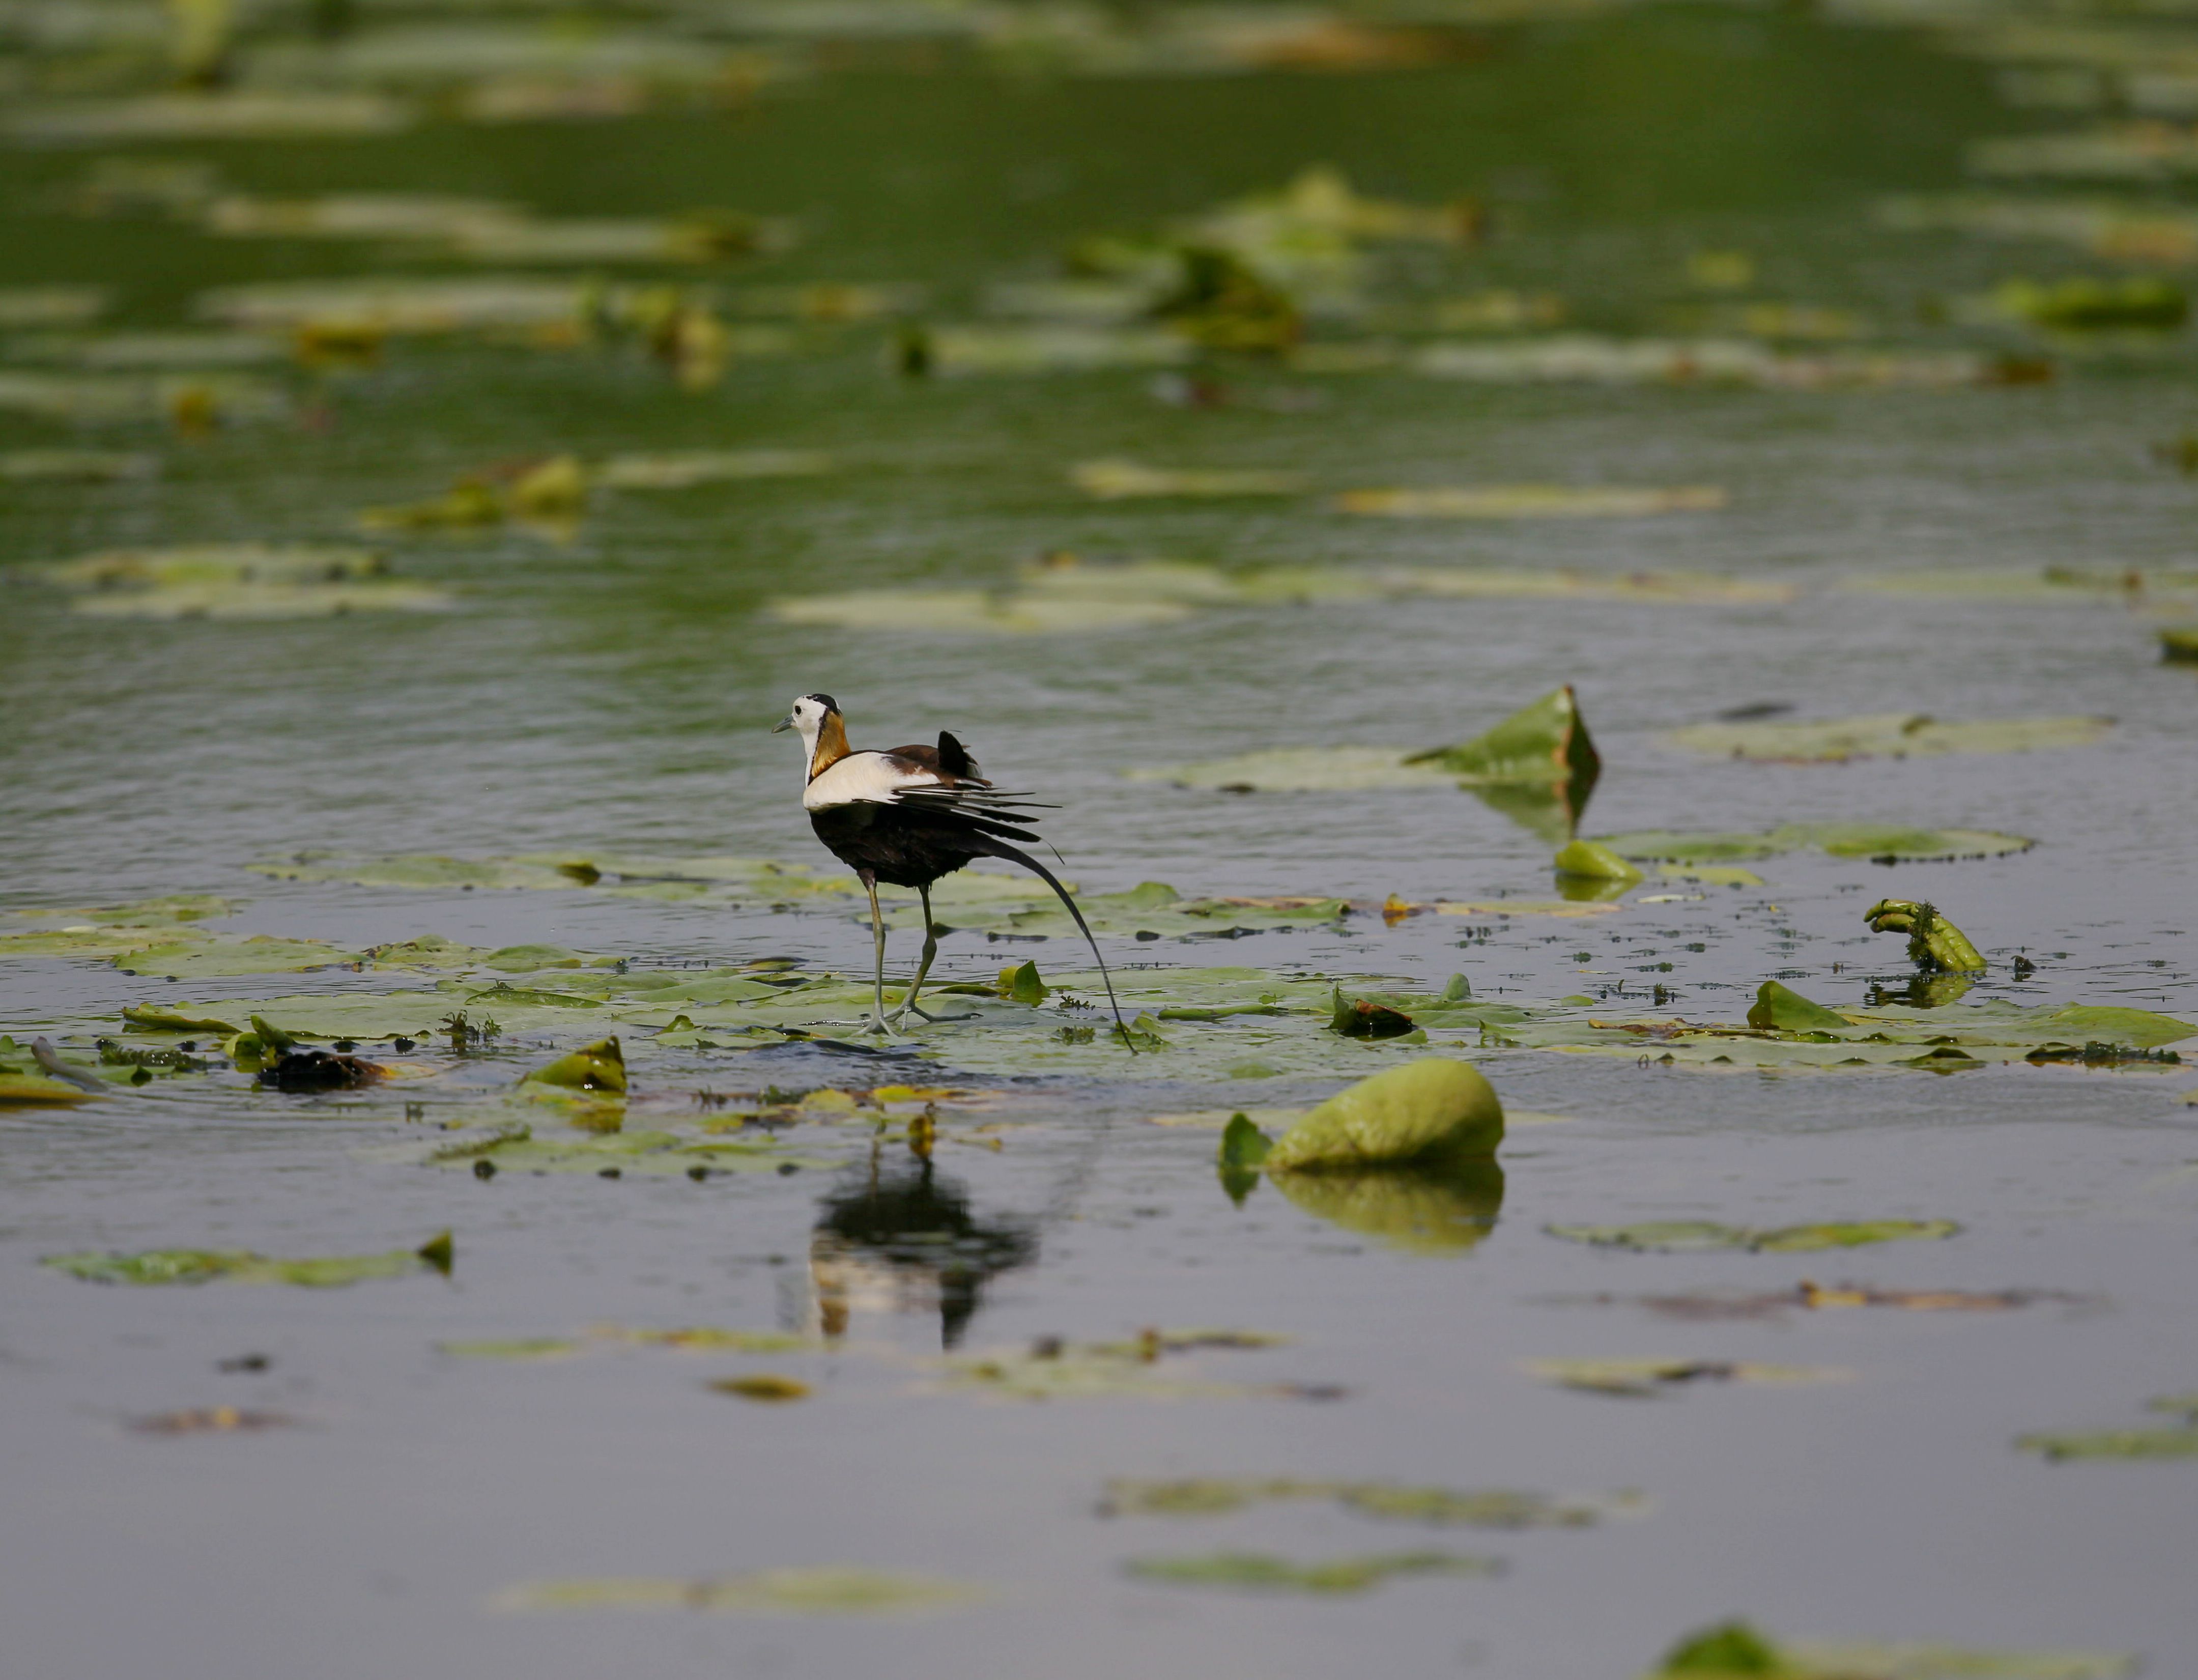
(25, 1089)
(1385, 1502)
(1686, 1236)
(1052, 1370)
(1592, 861)
(1881, 843)
(2181, 1442)
(1778, 1010)
(1259, 1572)
(240, 114)
(1431, 1111)
(1115, 480)
(209, 1421)
(75, 466)
(764, 1387)
(1531, 500)
(823, 1591)
(1734, 1648)
(1643, 1378)
(200, 1265)
(686, 469)
(1243, 1148)
(597, 1067)
(1889, 735)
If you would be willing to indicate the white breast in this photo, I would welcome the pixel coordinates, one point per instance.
(862, 776)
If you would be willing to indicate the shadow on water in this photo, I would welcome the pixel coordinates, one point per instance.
(904, 1239)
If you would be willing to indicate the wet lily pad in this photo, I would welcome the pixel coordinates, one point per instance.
(1260, 1572)
(1641, 1379)
(1778, 1009)
(829, 1591)
(202, 1265)
(1889, 735)
(1690, 1236)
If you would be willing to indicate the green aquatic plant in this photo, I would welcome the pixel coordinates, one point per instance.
(238, 1265)
(1260, 1572)
(1934, 943)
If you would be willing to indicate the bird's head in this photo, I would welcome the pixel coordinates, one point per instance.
(808, 715)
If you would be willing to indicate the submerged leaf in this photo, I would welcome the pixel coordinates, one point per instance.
(1385, 1502)
(822, 1591)
(1116, 480)
(1531, 500)
(200, 1265)
(1259, 1572)
(1889, 735)
(764, 1387)
(1878, 842)
(1642, 1378)
(1684, 1236)
(1735, 1649)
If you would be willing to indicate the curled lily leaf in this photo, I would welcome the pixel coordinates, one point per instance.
(1933, 942)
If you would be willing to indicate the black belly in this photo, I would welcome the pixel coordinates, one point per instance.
(898, 846)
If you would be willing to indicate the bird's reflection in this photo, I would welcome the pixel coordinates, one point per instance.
(902, 1238)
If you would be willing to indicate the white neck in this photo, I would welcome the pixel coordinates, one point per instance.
(808, 747)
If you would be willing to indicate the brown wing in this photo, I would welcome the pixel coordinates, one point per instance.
(950, 761)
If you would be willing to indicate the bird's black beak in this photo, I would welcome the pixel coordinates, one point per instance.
(782, 725)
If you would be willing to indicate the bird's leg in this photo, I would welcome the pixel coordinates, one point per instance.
(930, 950)
(877, 1020)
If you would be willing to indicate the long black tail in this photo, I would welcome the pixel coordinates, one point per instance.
(1000, 848)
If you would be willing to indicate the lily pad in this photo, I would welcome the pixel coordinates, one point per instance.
(1261, 1573)
(1882, 843)
(1734, 1648)
(821, 1591)
(1385, 1502)
(1780, 1010)
(1546, 741)
(28, 1089)
(1118, 480)
(686, 469)
(1532, 501)
(2179, 1442)
(1690, 1236)
(201, 1265)
(1887, 734)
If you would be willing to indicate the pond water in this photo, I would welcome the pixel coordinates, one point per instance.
(1905, 466)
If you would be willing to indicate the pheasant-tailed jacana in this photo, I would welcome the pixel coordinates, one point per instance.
(907, 817)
